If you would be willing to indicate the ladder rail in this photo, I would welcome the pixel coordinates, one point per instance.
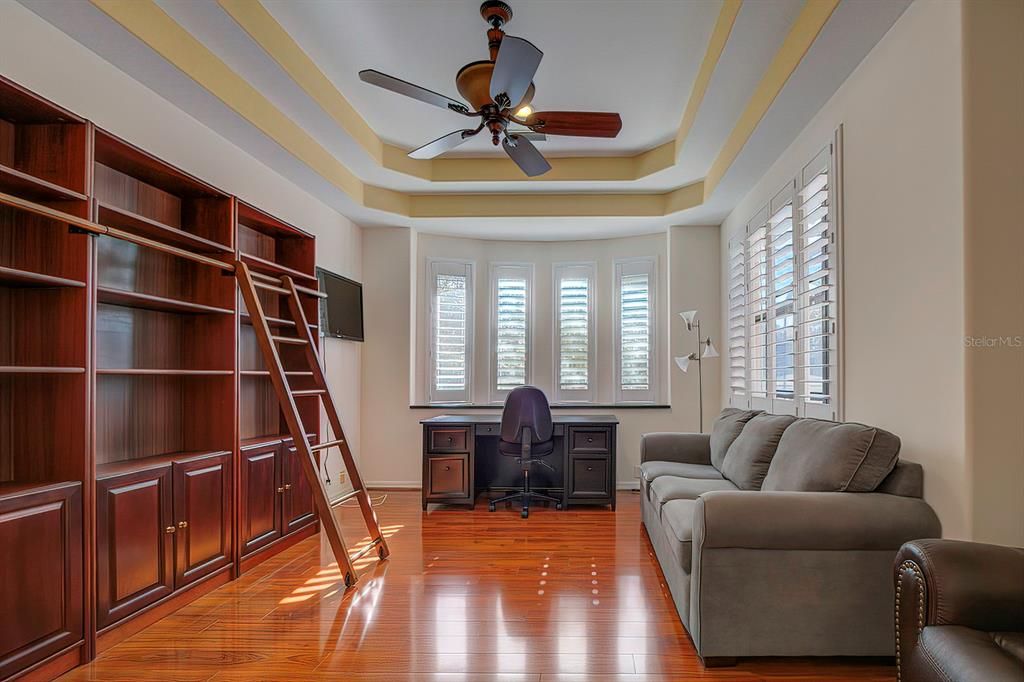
(310, 348)
(288, 407)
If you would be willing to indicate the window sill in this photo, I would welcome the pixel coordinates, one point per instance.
(554, 406)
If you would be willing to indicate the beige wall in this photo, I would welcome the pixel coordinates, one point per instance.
(993, 106)
(393, 375)
(37, 55)
(903, 241)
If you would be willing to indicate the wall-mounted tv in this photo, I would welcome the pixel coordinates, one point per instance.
(341, 313)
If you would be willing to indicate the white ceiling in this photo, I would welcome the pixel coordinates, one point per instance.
(638, 58)
(652, 58)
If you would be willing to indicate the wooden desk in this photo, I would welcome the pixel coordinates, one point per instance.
(461, 459)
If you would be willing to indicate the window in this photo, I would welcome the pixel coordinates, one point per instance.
(785, 357)
(511, 327)
(451, 341)
(574, 332)
(634, 330)
(736, 330)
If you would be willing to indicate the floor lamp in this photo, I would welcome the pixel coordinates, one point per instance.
(705, 349)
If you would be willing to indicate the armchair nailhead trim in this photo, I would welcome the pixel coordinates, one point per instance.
(919, 582)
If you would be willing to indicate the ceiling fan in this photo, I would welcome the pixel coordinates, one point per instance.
(500, 90)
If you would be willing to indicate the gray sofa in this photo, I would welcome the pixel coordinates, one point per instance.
(776, 535)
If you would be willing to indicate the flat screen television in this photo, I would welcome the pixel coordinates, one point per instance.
(341, 313)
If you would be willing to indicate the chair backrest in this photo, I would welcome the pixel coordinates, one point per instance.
(526, 406)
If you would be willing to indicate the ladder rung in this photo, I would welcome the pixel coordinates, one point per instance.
(364, 551)
(289, 339)
(312, 391)
(271, 287)
(323, 446)
(345, 498)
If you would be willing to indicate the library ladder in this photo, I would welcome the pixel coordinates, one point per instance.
(248, 282)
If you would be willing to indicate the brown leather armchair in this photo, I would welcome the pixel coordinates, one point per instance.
(959, 612)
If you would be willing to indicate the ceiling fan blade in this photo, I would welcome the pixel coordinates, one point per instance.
(442, 144)
(514, 69)
(526, 156)
(580, 123)
(382, 80)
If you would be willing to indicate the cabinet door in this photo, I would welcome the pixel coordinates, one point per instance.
(261, 503)
(134, 542)
(202, 515)
(41, 575)
(297, 499)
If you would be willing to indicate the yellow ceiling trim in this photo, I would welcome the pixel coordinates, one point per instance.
(716, 45)
(805, 29)
(261, 26)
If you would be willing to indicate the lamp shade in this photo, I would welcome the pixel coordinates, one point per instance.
(684, 362)
(709, 350)
(688, 317)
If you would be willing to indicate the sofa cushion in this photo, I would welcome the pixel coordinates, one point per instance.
(652, 470)
(960, 654)
(724, 431)
(678, 526)
(667, 488)
(822, 456)
(750, 455)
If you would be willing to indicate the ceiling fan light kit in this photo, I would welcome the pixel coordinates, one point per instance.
(500, 91)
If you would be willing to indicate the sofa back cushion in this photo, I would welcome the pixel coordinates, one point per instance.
(724, 431)
(747, 461)
(823, 456)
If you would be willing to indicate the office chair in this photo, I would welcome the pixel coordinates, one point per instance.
(526, 434)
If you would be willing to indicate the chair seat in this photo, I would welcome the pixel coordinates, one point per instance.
(961, 654)
(678, 517)
(667, 488)
(652, 470)
(516, 449)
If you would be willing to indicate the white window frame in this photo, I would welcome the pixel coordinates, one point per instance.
(637, 266)
(561, 271)
(500, 270)
(829, 158)
(736, 323)
(434, 268)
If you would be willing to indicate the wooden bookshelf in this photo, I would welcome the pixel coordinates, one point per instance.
(142, 450)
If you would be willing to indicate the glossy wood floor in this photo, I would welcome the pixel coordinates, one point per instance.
(466, 596)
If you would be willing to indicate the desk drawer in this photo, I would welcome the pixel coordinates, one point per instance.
(590, 477)
(447, 478)
(448, 439)
(589, 440)
(488, 429)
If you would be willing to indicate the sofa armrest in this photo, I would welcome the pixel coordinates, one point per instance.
(967, 583)
(810, 521)
(685, 448)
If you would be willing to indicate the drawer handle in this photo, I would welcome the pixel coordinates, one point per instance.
(450, 439)
(447, 468)
(183, 524)
(169, 530)
(590, 439)
(590, 468)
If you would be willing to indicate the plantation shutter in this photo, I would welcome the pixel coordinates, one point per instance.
(510, 327)
(736, 329)
(782, 303)
(757, 310)
(817, 303)
(634, 328)
(574, 291)
(450, 331)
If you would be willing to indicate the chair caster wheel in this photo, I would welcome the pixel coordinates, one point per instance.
(558, 507)
(490, 507)
(524, 514)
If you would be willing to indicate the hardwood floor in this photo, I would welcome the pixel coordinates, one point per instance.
(466, 596)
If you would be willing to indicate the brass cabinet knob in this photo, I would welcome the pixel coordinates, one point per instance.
(287, 486)
(280, 490)
(169, 529)
(182, 524)
(450, 439)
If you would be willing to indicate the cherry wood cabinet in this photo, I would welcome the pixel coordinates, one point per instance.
(202, 515)
(134, 542)
(260, 501)
(41, 586)
(297, 509)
